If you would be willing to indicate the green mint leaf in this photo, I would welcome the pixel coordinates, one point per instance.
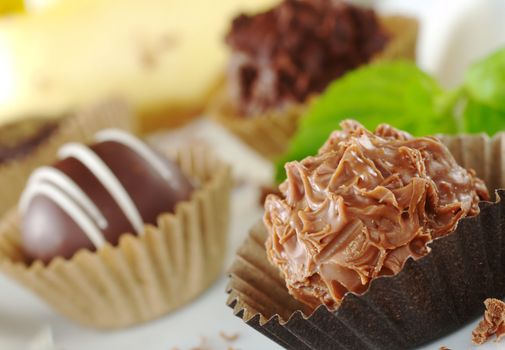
(396, 93)
(479, 117)
(485, 80)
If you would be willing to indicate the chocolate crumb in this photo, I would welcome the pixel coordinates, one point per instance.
(228, 337)
(444, 348)
(493, 322)
(203, 344)
(20, 138)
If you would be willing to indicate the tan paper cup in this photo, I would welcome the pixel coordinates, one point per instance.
(145, 276)
(79, 127)
(428, 299)
(269, 134)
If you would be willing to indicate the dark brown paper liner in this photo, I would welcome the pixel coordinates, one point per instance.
(428, 299)
(269, 134)
(80, 127)
(146, 276)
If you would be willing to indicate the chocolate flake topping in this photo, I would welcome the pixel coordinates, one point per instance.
(493, 322)
(296, 49)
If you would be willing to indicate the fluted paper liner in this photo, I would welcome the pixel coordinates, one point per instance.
(428, 299)
(79, 127)
(269, 134)
(143, 277)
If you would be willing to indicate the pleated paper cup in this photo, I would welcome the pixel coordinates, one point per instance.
(428, 299)
(143, 277)
(269, 134)
(79, 127)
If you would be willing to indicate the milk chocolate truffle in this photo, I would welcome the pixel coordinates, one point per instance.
(360, 207)
(96, 193)
(284, 55)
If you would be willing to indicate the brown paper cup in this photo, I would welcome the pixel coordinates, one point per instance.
(269, 134)
(80, 127)
(145, 276)
(428, 299)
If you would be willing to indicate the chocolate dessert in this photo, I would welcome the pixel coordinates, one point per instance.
(361, 207)
(96, 193)
(290, 52)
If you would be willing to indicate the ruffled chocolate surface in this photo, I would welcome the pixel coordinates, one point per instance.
(296, 49)
(493, 322)
(361, 207)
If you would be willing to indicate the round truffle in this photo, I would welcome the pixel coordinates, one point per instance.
(284, 55)
(361, 207)
(96, 193)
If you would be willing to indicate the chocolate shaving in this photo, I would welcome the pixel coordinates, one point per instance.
(296, 49)
(228, 337)
(493, 322)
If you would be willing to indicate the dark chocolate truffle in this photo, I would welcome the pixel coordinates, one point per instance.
(361, 207)
(284, 55)
(19, 138)
(96, 193)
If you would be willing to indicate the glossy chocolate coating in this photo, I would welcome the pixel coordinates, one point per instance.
(48, 231)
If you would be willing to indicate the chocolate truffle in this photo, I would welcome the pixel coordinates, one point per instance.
(284, 55)
(96, 193)
(361, 207)
(19, 138)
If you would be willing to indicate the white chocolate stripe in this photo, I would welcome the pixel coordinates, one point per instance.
(72, 209)
(137, 146)
(102, 172)
(66, 184)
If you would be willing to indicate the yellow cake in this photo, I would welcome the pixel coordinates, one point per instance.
(165, 56)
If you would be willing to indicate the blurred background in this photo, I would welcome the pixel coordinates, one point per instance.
(55, 55)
